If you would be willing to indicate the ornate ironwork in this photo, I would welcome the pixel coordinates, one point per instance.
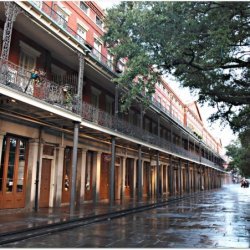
(38, 86)
(106, 120)
(11, 12)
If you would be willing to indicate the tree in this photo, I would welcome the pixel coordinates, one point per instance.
(205, 45)
(240, 156)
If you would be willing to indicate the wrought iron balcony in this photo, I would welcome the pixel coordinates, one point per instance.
(164, 110)
(35, 84)
(54, 16)
(100, 117)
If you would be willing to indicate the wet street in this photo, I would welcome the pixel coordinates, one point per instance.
(213, 219)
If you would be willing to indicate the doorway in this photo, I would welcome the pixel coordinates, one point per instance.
(45, 183)
(13, 171)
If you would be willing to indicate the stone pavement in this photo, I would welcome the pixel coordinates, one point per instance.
(213, 219)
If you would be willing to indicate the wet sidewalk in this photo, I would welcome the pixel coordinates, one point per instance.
(15, 220)
(211, 219)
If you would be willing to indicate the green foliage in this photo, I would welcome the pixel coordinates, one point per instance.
(204, 44)
(239, 153)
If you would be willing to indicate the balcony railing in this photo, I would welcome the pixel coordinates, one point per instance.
(164, 110)
(100, 117)
(38, 86)
(53, 15)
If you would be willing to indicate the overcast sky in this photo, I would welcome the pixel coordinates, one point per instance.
(220, 132)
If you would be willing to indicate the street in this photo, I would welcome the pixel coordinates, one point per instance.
(213, 219)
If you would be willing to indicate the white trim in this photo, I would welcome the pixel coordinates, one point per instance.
(79, 22)
(39, 104)
(29, 50)
(98, 39)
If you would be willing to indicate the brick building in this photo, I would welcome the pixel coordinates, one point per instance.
(63, 139)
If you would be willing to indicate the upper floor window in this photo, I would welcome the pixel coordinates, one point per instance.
(28, 56)
(62, 17)
(82, 32)
(97, 48)
(99, 22)
(84, 7)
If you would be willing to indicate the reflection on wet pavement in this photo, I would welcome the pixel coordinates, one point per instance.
(214, 219)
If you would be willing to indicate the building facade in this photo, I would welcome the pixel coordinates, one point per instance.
(63, 139)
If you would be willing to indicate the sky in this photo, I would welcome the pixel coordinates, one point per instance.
(222, 132)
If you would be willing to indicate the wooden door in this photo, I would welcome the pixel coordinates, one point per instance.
(13, 171)
(104, 181)
(45, 183)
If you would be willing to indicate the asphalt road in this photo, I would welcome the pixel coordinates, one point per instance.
(214, 219)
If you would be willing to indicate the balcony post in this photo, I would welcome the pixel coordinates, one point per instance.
(188, 177)
(116, 106)
(194, 176)
(74, 168)
(116, 101)
(170, 175)
(134, 178)
(180, 179)
(80, 81)
(139, 178)
(11, 12)
(38, 166)
(112, 172)
(157, 175)
(201, 178)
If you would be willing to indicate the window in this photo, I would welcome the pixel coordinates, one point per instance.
(13, 165)
(164, 104)
(97, 49)
(62, 18)
(110, 61)
(99, 21)
(84, 7)
(27, 62)
(159, 100)
(81, 32)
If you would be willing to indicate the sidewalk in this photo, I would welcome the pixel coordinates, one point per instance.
(19, 220)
